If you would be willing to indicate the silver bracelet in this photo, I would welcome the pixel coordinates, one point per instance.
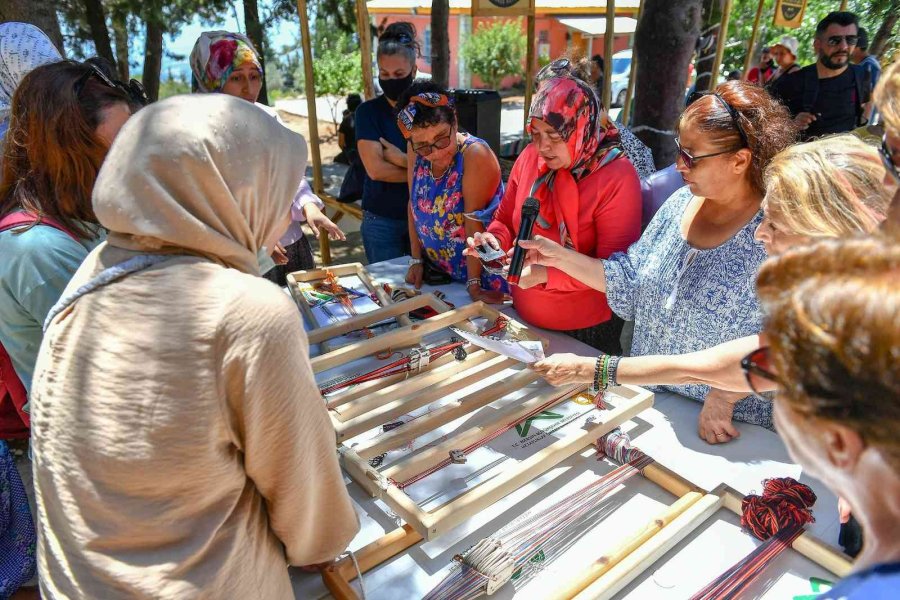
(415, 261)
(473, 281)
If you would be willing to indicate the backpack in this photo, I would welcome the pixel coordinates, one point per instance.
(14, 421)
(860, 81)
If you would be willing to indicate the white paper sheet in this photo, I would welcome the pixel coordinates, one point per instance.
(526, 351)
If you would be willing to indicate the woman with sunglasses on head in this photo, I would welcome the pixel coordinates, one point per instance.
(454, 190)
(228, 63)
(688, 283)
(832, 314)
(382, 148)
(590, 201)
(830, 188)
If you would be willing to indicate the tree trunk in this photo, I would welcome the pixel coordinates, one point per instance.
(120, 33)
(153, 47)
(710, 24)
(880, 42)
(41, 13)
(664, 43)
(440, 42)
(257, 36)
(96, 20)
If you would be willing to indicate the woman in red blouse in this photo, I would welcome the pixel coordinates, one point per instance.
(590, 199)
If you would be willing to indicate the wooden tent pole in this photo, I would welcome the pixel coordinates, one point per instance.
(720, 45)
(529, 65)
(629, 94)
(752, 47)
(843, 5)
(364, 31)
(609, 39)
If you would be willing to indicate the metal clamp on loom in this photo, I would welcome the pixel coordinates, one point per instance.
(419, 358)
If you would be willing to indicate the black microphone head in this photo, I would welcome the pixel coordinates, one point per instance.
(531, 207)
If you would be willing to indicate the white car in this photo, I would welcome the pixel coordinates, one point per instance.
(621, 70)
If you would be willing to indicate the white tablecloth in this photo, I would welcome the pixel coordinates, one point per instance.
(668, 432)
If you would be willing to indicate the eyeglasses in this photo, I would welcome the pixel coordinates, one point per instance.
(438, 144)
(690, 160)
(887, 157)
(835, 40)
(133, 89)
(757, 366)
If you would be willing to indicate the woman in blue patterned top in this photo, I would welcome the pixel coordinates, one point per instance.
(688, 283)
(454, 189)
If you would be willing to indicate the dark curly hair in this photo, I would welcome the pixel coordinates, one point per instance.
(399, 38)
(427, 116)
(766, 123)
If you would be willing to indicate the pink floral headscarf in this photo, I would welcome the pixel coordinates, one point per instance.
(215, 55)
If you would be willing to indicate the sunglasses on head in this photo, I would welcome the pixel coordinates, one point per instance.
(438, 144)
(835, 40)
(133, 89)
(887, 157)
(758, 370)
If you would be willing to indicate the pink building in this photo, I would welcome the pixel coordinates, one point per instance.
(559, 26)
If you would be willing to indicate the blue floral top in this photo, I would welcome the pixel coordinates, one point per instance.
(439, 213)
(18, 558)
(682, 299)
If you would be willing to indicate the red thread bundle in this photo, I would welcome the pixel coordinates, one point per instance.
(785, 502)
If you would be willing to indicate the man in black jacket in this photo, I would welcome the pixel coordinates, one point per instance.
(828, 96)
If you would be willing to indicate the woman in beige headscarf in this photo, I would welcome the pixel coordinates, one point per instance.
(181, 447)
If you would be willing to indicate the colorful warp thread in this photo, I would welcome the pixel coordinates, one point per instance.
(778, 517)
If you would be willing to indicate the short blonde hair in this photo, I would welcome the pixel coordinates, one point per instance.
(830, 187)
(887, 97)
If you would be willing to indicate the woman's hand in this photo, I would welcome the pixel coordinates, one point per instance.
(531, 276)
(844, 510)
(279, 255)
(487, 296)
(317, 219)
(715, 424)
(480, 239)
(415, 274)
(543, 252)
(562, 369)
(392, 153)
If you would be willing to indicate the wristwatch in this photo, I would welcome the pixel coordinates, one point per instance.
(415, 261)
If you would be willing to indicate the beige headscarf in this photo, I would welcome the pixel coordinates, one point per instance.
(209, 175)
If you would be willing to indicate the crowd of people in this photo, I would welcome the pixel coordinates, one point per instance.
(180, 446)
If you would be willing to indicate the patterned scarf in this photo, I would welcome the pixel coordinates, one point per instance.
(571, 107)
(23, 48)
(216, 55)
(406, 115)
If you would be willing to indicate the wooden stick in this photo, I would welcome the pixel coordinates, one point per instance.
(390, 411)
(475, 500)
(752, 48)
(720, 45)
(389, 311)
(365, 48)
(529, 63)
(398, 338)
(426, 459)
(632, 543)
(629, 94)
(310, 85)
(401, 436)
(635, 563)
(609, 38)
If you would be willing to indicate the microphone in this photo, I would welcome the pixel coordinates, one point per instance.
(530, 210)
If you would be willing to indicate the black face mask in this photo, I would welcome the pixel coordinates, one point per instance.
(392, 88)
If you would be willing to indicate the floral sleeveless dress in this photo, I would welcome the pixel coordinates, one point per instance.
(439, 213)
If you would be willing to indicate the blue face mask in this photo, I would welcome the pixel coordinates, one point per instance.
(264, 258)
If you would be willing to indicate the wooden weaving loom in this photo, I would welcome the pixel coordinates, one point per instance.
(375, 403)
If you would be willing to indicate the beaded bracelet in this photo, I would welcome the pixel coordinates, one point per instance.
(604, 377)
(597, 367)
(613, 370)
(473, 281)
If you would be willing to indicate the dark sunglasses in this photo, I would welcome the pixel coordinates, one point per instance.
(735, 118)
(690, 160)
(835, 40)
(758, 365)
(438, 144)
(887, 157)
(133, 89)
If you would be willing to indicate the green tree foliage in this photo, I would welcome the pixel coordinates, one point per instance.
(495, 51)
(337, 69)
(871, 14)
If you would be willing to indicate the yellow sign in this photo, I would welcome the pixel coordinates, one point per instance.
(789, 13)
(502, 8)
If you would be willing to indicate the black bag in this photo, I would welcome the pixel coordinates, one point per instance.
(352, 186)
